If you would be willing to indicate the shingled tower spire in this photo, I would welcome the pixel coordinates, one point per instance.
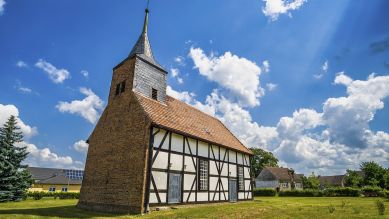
(142, 46)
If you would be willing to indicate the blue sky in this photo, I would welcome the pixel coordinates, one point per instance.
(287, 94)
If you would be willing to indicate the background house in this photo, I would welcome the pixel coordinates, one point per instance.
(56, 180)
(278, 178)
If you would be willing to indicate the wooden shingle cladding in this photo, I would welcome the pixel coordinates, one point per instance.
(179, 154)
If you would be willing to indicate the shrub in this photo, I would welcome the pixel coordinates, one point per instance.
(301, 193)
(331, 209)
(342, 192)
(373, 191)
(55, 195)
(36, 195)
(264, 192)
(381, 207)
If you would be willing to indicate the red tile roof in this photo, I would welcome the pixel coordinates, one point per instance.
(183, 118)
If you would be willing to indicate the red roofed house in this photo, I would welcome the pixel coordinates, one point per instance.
(151, 149)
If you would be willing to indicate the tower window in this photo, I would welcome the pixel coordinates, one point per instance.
(154, 94)
(120, 88)
(123, 87)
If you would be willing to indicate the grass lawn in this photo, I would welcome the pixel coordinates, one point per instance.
(261, 207)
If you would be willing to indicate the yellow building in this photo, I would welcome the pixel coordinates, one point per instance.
(56, 180)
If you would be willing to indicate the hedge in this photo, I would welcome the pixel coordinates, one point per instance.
(61, 195)
(301, 193)
(342, 192)
(370, 191)
(264, 192)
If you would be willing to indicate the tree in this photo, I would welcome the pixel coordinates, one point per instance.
(374, 174)
(353, 179)
(311, 182)
(261, 159)
(14, 177)
(386, 179)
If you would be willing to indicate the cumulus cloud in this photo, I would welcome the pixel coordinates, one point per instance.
(89, 107)
(7, 110)
(85, 73)
(271, 86)
(328, 141)
(2, 4)
(237, 75)
(81, 146)
(274, 8)
(21, 64)
(266, 66)
(44, 157)
(180, 60)
(58, 76)
(175, 73)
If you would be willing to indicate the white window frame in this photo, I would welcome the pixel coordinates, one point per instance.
(203, 174)
(52, 189)
(240, 171)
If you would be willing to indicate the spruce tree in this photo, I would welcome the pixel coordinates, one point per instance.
(14, 177)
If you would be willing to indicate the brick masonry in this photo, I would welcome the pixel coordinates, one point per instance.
(115, 170)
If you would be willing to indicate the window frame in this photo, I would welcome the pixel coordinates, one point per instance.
(52, 189)
(64, 189)
(154, 94)
(203, 182)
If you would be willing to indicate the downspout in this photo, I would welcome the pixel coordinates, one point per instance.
(148, 177)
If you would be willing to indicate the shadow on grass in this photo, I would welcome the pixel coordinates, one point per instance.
(61, 212)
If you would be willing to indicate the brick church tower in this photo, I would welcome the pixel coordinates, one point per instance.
(115, 170)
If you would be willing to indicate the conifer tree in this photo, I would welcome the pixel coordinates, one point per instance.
(14, 177)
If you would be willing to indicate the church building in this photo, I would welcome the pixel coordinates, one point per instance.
(150, 149)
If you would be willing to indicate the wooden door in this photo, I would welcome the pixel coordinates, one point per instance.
(232, 190)
(175, 181)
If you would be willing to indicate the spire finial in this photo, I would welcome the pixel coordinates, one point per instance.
(147, 6)
(145, 25)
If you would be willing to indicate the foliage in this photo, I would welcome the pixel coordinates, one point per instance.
(342, 192)
(331, 209)
(353, 179)
(14, 177)
(61, 195)
(373, 191)
(264, 192)
(386, 179)
(311, 182)
(381, 207)
(374, 174)
(300, 193)
(261, 159)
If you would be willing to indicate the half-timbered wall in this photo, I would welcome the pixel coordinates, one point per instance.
(178, 154)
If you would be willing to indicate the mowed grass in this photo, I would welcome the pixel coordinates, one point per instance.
(261, 207)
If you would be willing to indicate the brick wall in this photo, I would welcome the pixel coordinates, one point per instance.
(115, 170)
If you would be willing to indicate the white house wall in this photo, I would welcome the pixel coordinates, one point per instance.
(178, 154)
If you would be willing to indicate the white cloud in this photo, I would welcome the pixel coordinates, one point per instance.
(271, 86)
(325, 66)
(81, 146)
(327, 142)
(2, 3)
(266, 66)
(89, 107)
(56, 75)
(7, 110)
(85, 73)
(180, 60)
(239, 76)
(21, 64)
(25, 90)
(274, 8)
(176, 74)
(44, 157)
(318, 76)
